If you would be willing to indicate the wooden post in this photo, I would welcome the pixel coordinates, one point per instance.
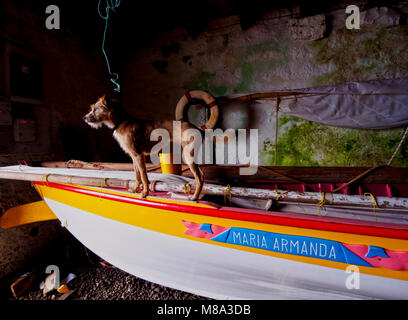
(276, 128)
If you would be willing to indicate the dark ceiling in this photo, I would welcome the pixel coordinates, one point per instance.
(137, 23)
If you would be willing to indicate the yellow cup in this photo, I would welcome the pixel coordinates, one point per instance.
(62, 289)
(167, 166)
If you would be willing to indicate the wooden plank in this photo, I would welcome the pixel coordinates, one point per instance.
(311, 174)
(305, 174)
(23, 283)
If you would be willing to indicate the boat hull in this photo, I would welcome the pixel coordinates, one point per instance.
(159, 241)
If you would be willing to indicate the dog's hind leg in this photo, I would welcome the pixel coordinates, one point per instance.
(199, 179)
(138, 180)
(195, 170)
(141, 165)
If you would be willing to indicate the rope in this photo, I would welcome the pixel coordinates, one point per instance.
(374, 168)
(80, 164)
(46, 178)
(187, 188)
(46, 182)
(110, 5)
(321, 203)
(358, 177)
(153, 185)
(398, 147)
(228, 191)
(277, 195)
(374, 203)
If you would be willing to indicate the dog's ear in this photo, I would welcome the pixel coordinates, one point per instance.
(103, 99)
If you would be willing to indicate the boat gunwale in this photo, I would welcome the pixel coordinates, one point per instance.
(387, 230)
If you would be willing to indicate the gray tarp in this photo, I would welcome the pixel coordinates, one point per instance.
(377, 104)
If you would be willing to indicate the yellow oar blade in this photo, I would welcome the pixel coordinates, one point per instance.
(27, 213)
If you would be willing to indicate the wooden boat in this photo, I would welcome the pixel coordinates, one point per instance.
(260, 249)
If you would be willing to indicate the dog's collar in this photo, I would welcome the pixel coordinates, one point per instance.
(117, 126)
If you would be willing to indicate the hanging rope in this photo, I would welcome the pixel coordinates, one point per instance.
(321, 203)
(374, 203)
(398, 147)
(110, 5)
(404, 136)
(187, 188)
(358, 177)
(46, 178)
(277, 195)
(228, 192)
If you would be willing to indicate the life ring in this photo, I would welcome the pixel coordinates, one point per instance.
(200, 95)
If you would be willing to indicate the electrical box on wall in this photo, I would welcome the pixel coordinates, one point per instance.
(24, 130)
(5, 114)
(24, 120)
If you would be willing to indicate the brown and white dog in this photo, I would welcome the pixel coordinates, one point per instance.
(134, 138)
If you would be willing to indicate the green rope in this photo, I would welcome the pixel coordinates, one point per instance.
(110, 5)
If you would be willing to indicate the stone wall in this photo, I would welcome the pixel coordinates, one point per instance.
(72, 76)
(278, 52)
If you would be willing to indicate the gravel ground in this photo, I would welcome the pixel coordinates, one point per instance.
(102, 283)
(95, 279)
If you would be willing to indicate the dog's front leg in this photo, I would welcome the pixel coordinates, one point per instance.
(141, 164)
(138, 180)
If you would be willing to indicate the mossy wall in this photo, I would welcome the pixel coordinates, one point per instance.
(267, 57)
(306, 143)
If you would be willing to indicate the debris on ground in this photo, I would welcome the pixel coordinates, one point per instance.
(22, 284)
(96, 282)
(85, 277)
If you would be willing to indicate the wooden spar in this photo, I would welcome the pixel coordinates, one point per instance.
(212, 189)
(309, 175)
(68, 179)
(263, 95)
(292, 196)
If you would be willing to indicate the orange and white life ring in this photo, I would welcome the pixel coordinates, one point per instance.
(200, 95)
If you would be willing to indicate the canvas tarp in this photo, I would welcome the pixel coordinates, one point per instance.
(377, 104)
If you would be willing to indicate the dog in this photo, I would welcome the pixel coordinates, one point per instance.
(133, 137)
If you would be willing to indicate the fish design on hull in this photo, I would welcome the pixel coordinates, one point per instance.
(355, 254)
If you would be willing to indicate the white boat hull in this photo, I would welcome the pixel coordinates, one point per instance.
(215, 271)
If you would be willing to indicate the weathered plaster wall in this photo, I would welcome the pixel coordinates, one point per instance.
(20, 244)
(274, 55)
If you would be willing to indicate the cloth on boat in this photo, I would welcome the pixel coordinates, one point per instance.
(376, 104)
